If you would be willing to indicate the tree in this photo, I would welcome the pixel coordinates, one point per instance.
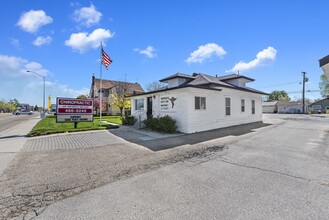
(36, 108)
(15, 102)
(153, 86)
(120, 102)
(9, 107)
(82, 96)
(278, 96)
(97, 105)
(2, 106)
(118, 96)
(324, 86)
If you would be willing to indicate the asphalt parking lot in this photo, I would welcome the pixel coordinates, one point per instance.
(277, 170)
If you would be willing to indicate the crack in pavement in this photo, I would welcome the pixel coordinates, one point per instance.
(25, 204)
(266, 170)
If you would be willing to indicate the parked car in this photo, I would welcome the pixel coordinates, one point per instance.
(52, 112)
(23, 112)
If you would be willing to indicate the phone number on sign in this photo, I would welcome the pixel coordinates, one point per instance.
(75, 111)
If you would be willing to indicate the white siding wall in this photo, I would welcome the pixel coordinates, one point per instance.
(179, 112)
(291, 109)
(190, 120)
(215, 116)
(268, 109)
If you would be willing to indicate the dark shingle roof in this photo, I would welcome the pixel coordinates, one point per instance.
(234, 76)
(323, 61)
(204, 81)
(177, 75)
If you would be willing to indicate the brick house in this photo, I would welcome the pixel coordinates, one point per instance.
(110, 87)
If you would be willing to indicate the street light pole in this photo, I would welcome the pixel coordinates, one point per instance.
(44, 91)
(305, 79)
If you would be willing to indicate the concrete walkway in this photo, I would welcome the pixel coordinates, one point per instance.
(156, 141)
(12, 140)
(73, 140)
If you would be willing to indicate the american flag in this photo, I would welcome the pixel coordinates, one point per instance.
(106, 60)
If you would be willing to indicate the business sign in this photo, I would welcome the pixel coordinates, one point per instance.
(74, 110)
(49, 103)
(167, 103)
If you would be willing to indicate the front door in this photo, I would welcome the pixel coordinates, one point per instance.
(149, 106)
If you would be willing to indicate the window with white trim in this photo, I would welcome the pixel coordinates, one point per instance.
(227, 106)
(253, 107)
(243, 104)
(200, 102)
(139, 104)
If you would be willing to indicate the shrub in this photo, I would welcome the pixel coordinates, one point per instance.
(163, 124)
(151, 123)
(167, 124)
(128, 120)
(109, 126)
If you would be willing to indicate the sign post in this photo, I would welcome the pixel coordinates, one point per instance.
(74, 110)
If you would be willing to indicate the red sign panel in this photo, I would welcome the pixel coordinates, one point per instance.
(75, 102)
(74, 110)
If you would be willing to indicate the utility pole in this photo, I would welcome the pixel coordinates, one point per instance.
(44, 92)
(305, 79)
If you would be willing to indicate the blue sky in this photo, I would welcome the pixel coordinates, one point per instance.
(270, 41)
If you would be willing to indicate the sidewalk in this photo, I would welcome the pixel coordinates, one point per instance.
(12, 140)
(156, 141)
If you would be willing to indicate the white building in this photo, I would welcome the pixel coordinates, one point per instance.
(270, 107)
(291, 107)
(201, 102)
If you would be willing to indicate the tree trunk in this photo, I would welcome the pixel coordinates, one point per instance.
(121, 109)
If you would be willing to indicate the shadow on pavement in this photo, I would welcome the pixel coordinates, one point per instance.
(12, 136)
(159, 144)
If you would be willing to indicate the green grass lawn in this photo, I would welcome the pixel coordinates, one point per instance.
(48, 125)
(112, 119)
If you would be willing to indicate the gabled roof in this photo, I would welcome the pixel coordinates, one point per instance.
(234, 76)
(177, 75)
(319, 101)
(109, 84)
(204, 81)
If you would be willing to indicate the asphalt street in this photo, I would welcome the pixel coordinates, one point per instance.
(8, 120)
(13, 131)
(277, 172)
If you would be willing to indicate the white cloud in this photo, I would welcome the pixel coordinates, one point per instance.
(28, 87)
(8, 63)
(205, 52)
(262, 57)
(83, 41)
(87, 16)
(42, 40)
(149, 52)
(31, 21)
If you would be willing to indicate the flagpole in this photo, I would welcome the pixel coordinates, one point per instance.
(101, 93)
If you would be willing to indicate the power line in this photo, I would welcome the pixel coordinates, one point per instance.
(308, 90)
(280, 85)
